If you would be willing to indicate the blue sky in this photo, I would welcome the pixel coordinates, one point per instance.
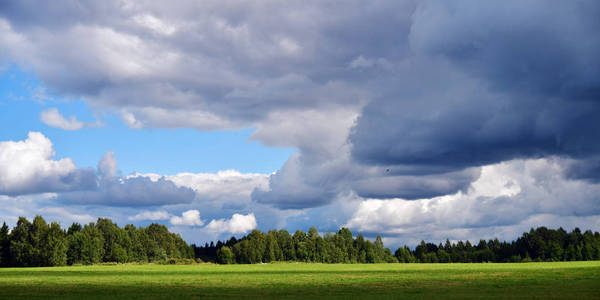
(150, 150)
(410, 119)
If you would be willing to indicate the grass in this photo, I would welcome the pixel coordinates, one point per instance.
(561, 280)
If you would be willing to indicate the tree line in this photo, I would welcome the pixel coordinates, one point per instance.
(260, 247)
(37, 243)
(540, 244)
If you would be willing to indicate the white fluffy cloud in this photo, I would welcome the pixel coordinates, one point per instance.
(506, 198)
(52, 117)
(151, 215)
(236, 225)
(224, 189)
(190, 218)
(27, 167)
(107, 166)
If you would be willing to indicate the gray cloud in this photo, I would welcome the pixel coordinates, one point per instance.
(234, 64)
(504, 87)
(224, 190)
(506, 199)
(415, 187)
(132, 192)
(383, 99)
(292, 187)
(27, 167)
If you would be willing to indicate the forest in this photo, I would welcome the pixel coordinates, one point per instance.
(37, 243)
(541, 244)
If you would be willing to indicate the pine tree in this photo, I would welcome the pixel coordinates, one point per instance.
(4, 245)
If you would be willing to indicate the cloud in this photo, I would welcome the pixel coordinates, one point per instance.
(151, 215)
(407, 99)
(154, 24)
(112, 190)
(227, 189)
(362, 62)
(26, 167)
(130, 192)
(189, 218)
(290, 188)
(64, 216)
(386, 185)
(43, 204)
(506, 195)
(107, 166)
(236, 225)
(52, 117)
(495, 98)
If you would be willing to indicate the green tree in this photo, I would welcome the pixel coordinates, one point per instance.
(225, 256)
(272, 250)
(284, 239)
(116, 241)
(299, 239)
(241, 252)
(379, 250)
(137, 251)
(75, 227)
(21, 247)
(55, 248)
(360, 246)
(4, 245)
(76, 241)
(92, 249)
(39, 235)
(404, 255)
(311, 248)
(443, 256)
(371, 252)
(349, 244)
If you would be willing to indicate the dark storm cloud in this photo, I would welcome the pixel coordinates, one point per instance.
(588, 169)
(415, 187)
(524, 81)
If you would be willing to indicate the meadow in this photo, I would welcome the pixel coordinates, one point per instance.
(560, 280)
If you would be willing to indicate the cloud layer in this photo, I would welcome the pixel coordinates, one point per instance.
(499, 94)
(508, 197)
(385, 102)
(26, 167)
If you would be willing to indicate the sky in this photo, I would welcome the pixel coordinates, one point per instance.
(414, 120)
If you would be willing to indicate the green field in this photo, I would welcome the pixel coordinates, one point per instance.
(564, 280)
